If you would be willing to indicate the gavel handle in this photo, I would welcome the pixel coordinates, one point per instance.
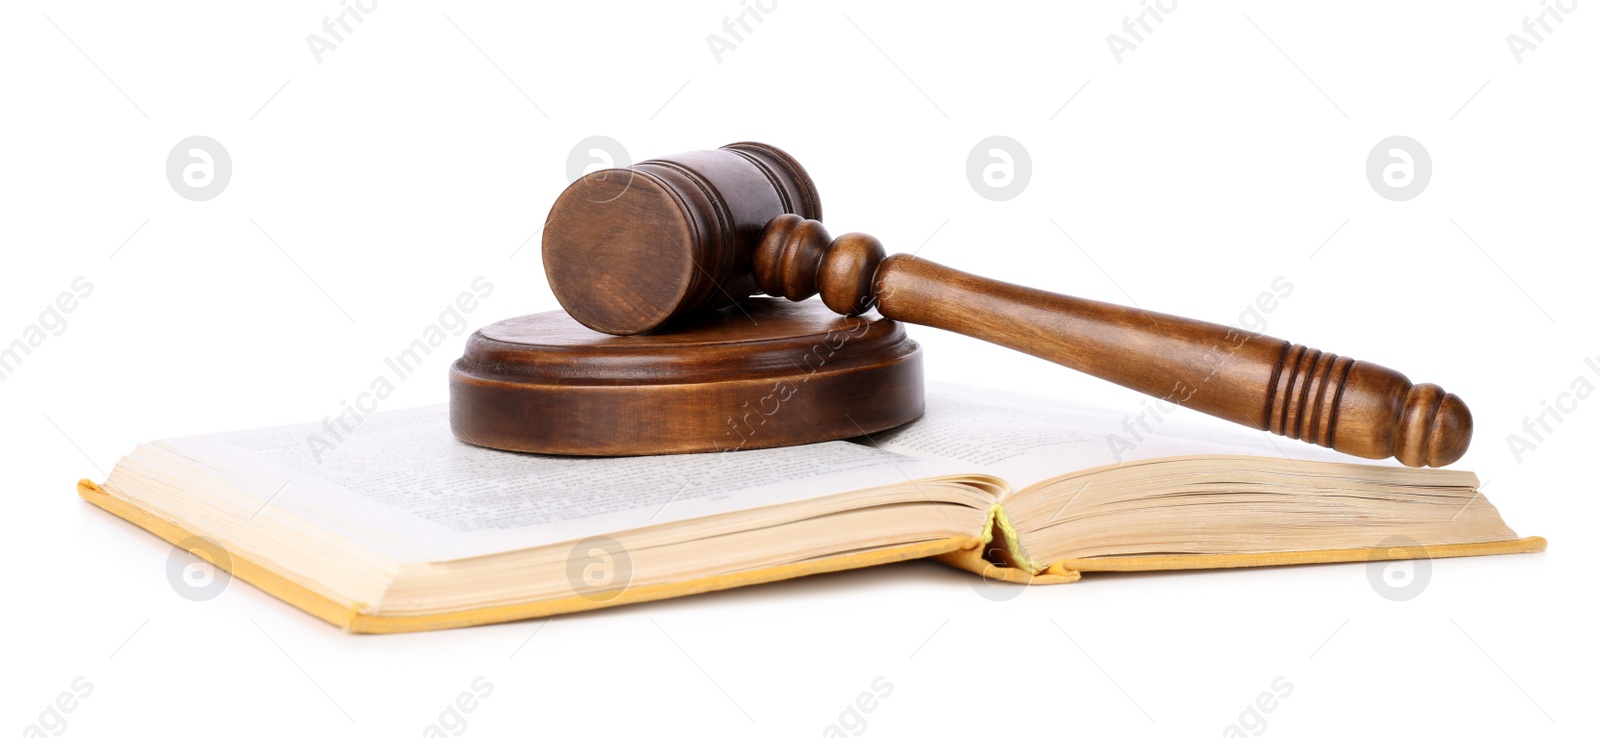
(1266, 383)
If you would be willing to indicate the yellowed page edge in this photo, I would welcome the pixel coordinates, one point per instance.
(971, 559)
(1068, 570)
(358, 622)
(1531, 544)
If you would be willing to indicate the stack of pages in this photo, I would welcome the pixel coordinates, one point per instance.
(399, 527)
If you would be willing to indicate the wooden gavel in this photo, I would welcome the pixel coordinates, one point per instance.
(628, 250)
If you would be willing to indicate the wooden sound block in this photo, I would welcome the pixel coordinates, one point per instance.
(761, 373)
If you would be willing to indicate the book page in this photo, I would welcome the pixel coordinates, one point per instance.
(421, 495)
(1025, 439)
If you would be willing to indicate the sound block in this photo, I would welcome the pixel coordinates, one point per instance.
(759, 374)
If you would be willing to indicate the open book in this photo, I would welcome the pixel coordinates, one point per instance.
(390, 524)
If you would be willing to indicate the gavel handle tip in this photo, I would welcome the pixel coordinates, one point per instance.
(1435, 427)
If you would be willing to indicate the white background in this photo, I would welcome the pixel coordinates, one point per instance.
(1226, 149)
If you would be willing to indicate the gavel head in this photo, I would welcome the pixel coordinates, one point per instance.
(627, 250)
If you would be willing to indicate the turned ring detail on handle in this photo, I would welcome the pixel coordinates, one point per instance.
(1351, 406)
(632, 251)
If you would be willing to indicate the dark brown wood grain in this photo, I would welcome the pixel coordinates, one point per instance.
(627, 250)
(636, 250)
(757, 374)
(1266, 383)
